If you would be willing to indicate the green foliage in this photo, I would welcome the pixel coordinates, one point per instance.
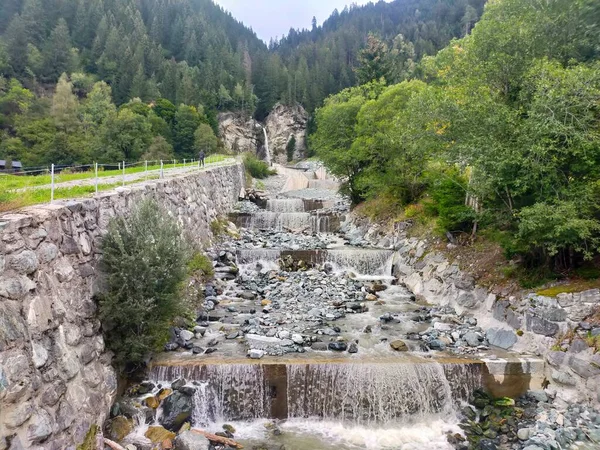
(89, 443)
(218, 227)
(201, 263)
(290, 148)
(257, 168)
(144, 262)
(504, 135)
(205, 139)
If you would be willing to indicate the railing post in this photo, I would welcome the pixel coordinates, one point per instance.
(52, 185)
(161, 169)
(123, 173)
(146, 170)
(96, 172)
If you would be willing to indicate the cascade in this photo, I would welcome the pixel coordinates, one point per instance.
(362, 261)
(285, 205)
(267, 151)
(223, 391)
(367, 394)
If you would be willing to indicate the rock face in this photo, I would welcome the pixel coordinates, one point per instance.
(239, 133)
(56, 378)
(282, 123)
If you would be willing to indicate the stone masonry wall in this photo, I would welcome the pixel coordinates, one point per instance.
(56, 378)
(526, 323)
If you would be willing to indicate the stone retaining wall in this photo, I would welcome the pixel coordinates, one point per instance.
(56, 378)
(526, 323)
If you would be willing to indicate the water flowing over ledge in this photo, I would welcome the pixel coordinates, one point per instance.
(369, 394)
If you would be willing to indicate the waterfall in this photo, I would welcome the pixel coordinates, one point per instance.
(362, 261)
(267, 151)
(223, 392)
(367, 394)
(285, 205)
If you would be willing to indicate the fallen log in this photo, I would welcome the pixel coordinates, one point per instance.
(218, 439)
(113, 445)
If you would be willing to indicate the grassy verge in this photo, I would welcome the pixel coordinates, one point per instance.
(10, 182)
(10, 201)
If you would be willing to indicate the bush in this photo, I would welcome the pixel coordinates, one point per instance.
(257, 168)
(291, 148)
(201, 263)
(144, 260)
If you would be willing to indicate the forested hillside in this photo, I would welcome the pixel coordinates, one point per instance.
(501, 134)
(325, 59)
(185, 52)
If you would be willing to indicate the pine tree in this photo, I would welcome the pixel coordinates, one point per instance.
(57, 52)
(138, 85)
(16, 47)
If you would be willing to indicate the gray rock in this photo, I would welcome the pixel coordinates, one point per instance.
(178, 383)
(338, 346)
(177, 409)
(256, 354)
(538, 395)
(320, 346)
(186, 335)
(39, 355)
(47, 252)
(298, 339)
(504, 339)
(353, 347)
(25, 262)
(15, 287)
(578, 346)
(191, 441)
(523, 434)
(562, 377)
(472, 339)
(40, 427)
(539, 325)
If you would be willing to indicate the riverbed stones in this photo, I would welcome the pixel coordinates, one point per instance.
(399, 346)
(338, 346)
(191, 441)
(158, 434)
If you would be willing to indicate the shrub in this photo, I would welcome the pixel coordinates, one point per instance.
(257, 168)
(144, 261)
(291, 148)
(201, 263)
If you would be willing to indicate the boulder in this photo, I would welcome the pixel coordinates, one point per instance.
(539, 325)
(191, 441)
(119, 427)
(158, 434)
(399, 346)
(504, 339)
(177, 409)
(338, 346)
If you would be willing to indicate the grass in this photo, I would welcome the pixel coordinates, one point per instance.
(10, 182)
(201, 263)
(257, 168)
(14, 192)
(569, 288)
(14, 200)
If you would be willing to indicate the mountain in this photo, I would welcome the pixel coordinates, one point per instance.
(191, 59)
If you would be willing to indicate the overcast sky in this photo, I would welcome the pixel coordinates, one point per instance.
(270, 18)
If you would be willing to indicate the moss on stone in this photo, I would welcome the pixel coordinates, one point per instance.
(89, 443)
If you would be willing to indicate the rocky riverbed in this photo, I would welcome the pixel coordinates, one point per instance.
(282, 294)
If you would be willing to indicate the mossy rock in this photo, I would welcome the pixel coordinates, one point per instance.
(152, 402)
(158, 434)
(119, 428)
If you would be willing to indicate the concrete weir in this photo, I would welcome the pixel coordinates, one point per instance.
(366, 390)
